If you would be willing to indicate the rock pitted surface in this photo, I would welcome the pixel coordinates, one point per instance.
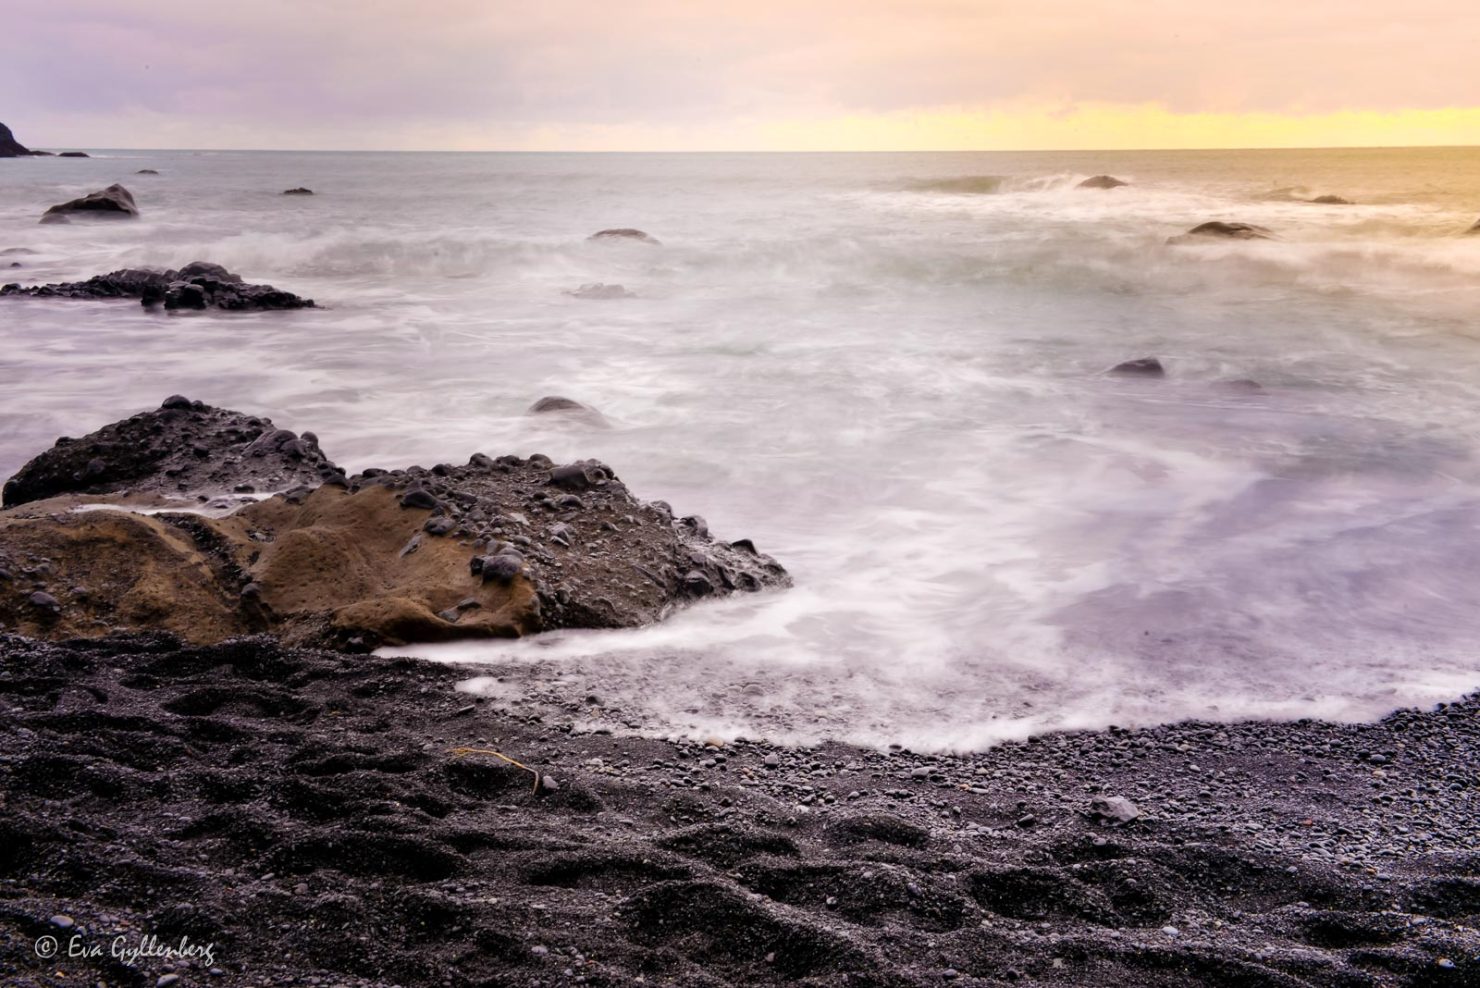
(198, 285)
(624, 233)
(182, 448)
(244, 792)
(1102, 182)
(497, 547)
(1217, 229)
(114, 203)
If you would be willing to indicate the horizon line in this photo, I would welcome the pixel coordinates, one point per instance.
(1104, 150)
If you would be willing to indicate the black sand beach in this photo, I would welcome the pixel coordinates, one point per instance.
(303, 814)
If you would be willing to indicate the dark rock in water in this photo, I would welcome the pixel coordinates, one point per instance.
(1225, 231)
(300, 191)
(1474, 229)
(624, 233)
(9, 251)
(1142, 366)
(182, 447)
(597, 290)
(74, 154)
(1242, 385)
(54, 218)
(569, 408)
(198, 285)
(114, 202)
(1332, 201)
(11, 148)
(1102, 182)
(146, 171)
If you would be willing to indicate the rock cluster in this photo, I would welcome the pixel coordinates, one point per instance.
(496, 547)
(198, 285)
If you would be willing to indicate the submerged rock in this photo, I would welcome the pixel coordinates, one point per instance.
(597, 290)
(1332, 201)
(624, 233)
(300, 191)
(74, 154)
(1102, 182)
(1474, 229)
(499, 547)
(568, 408)
(146, 171)
(1226, 231)
(1141, 366)
(114, 202)
(198, 285)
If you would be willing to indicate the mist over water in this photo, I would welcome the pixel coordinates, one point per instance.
(887, 370)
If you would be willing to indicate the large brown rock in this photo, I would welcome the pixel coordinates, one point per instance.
(132, 528)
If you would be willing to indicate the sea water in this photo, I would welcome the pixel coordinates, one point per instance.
(887, 370)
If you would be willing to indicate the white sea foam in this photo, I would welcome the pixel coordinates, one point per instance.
(892, 379)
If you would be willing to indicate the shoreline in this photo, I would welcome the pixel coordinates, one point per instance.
(302, 812)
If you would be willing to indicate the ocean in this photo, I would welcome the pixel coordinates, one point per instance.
(888, 370)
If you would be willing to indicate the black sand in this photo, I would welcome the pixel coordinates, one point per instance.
(302, 813)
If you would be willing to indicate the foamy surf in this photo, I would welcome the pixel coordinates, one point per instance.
(890, 371)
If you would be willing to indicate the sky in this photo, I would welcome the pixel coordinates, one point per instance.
(816, 75)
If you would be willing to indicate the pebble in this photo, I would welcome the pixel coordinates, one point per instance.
(62, 921)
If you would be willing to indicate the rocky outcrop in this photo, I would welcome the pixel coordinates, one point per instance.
(198, 285)
(12, 148)
(1217, 229)
(300, 191)
(1101, 182)
(114, 202)
(1140, 367)
(180, 449)
(625, 233)
(117, 531)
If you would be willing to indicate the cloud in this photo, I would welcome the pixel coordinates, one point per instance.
(368, 73)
